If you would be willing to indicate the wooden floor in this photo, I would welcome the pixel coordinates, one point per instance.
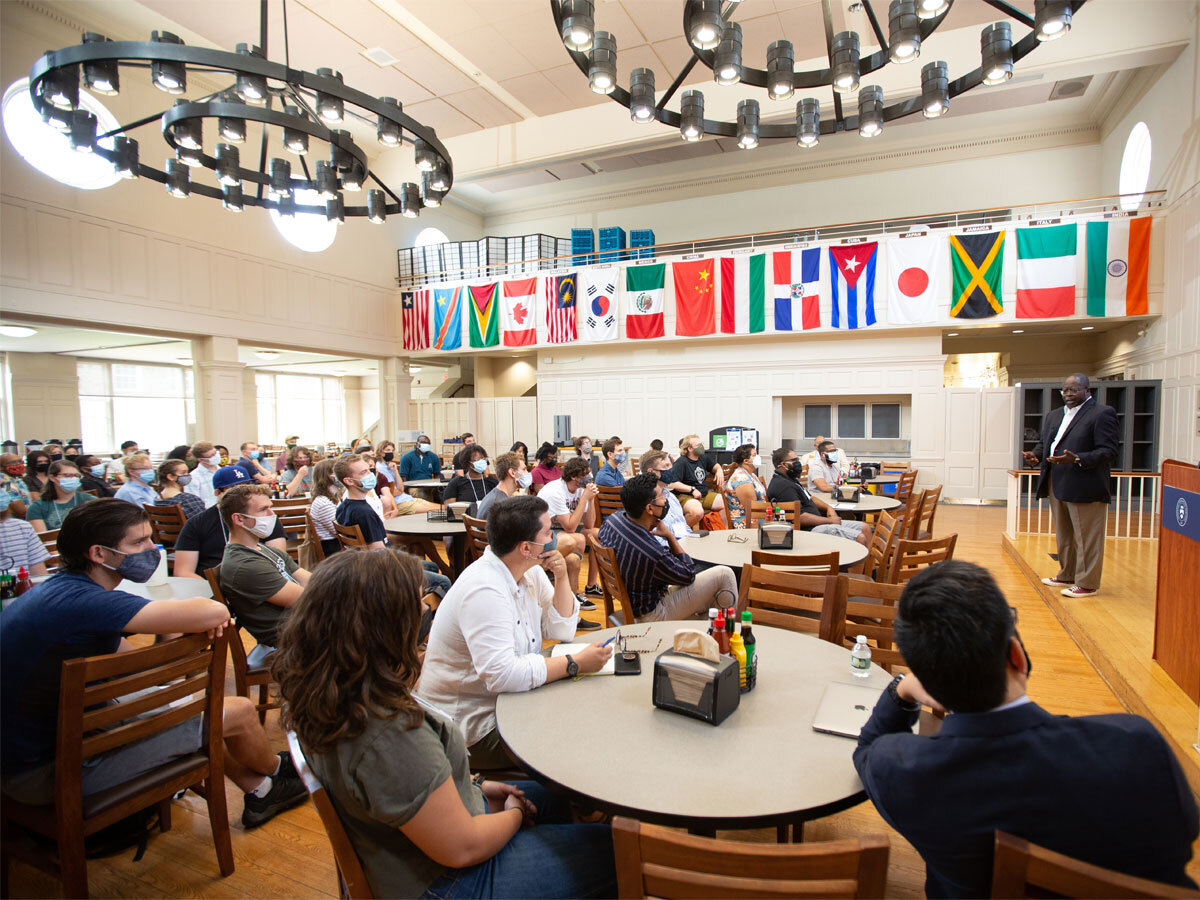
(289, 856)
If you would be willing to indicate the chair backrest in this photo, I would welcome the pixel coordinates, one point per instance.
(654, 861)
(350, 871)
(167, 674)
(891, 468)
(761, 510)
(612, 583)
(608, 501)
(237, 650)
(349, 536)
(49, 539)
(909, 515)
(1022, 869)
(883, 541)
(912, 556)
(294, 523)
(636, 465)
(165, 522)
(871, 611)
(534, 488)
(476, 536)
(726, 468)
(828, 562)
(929, 505)
(812, 604)
(905, 485)
(310, 535)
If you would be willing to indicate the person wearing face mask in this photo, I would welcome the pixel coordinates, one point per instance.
(815, 514)
(421, 462)
(19, 542)
(54, 451)
(813, 455)
(37, 468)
(173, 478)
(661, 579)
(680, 518)
(744, 486)
(692, 470)
(1104, 789)
(139, 480)
(475, 650)
(547, 468)
(824, 474)
(522, 448)
(60, 495)
(260, 583)
(223, 452)
(297, 476)
(80, 611)
(12, 482)
(208, 460)
(201, 542)
(251, 461)
(583, 448)
(290, 443)
(354, 474)
(475, 484)
(116, 465)
(93, 473)
(572, 503)
(611, 474)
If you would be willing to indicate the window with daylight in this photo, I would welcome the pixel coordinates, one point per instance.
(311, 232)
(852, 420)
(1135, 166)
(818, 420)
(855, 418)
(312, 406)
(430, 236)
(885, 420)
(120, 402)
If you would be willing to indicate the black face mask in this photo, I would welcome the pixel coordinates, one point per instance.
(665, 476)
(41, 467)
(388, 457)
(796, 470)
(56, 456)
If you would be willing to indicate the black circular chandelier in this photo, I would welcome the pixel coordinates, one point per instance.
(292, 104)
(716, 41)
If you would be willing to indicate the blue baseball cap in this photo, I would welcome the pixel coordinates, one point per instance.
(230, 476)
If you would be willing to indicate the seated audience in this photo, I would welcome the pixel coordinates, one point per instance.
(116, 466)
(396, 768)
(547, 469)
(208, 460)
(79, 612)
(54, 450)
(12, 482)
(92, 473)
(583, 448)
(488, 633)
(37, 465)
(260, 583)
(1105, 789)
(513, 474)
(825, 471)
(19, 543)
(173, 477)
(60, 495)
(813, 455)
(571, 501)
(201, 542)
(297, 473)
(391, 484)
(815, 514)
(657, 444)
(183, 452)
(251, 461)
(744, 486)
(224, 457)
(354, 474)
(522, 448)
(475, 484)
(326, 494)
(692, 470)
(611, 474)
(421, 462)
(139, 481)
(662, 582)
(385, 463)
(680, 519)
(290, 443)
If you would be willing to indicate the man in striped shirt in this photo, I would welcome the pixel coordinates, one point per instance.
(661, 581)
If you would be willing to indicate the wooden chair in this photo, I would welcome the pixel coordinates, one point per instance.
(310, 535)
(608, 501)
(765, 510)
(49, 540)
(245, 677)
(726, 468)
(815, 561)
(295, 524)
(350, 536)
(636, 465)
(871, 611)
(879, 551)
(812, 604)
(910, 557)
(909, 514)
(905, 485)
(613, 585)
(165, 523)
(352, 879)
(653, 861)
(923, 521)
(1022, 869)
(476, 536)
(88, 724)
(534, 488)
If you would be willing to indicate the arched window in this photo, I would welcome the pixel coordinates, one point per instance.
(431, 236)
(1135, 166)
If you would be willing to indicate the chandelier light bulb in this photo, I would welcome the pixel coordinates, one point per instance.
(330, 109)
(376, 206)
(747, 124)
(578, 25)
(844, 61)
(995, 47)
(168, 75)
(727, 67)
(935, 89)
(231, 198)
(641, 95)
(250, 87)
(706, 23)
(870, 111)
(808, 122)
(1051, 18)
(410, 200)
(781, 66)
(929, 9)
(387, 131)
(691, 113)
(602, 65)
(100, 76)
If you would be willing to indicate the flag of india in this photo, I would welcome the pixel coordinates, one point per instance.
(1118, 256)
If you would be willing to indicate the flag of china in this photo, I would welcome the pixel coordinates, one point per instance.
(694, 290)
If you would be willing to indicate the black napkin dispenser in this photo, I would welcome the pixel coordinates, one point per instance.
(696, 687)
(775, 536)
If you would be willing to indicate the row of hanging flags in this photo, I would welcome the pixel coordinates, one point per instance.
(731, 294)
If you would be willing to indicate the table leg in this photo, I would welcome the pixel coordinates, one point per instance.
(460, 554)
(790, 832)
(702, 831)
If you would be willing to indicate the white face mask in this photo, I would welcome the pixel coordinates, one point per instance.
(263, 525)
(756, 461)
(525, 479)
(210, 461)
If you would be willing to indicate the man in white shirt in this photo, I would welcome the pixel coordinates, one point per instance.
(488, 632)
(813, 455)
(208, 461)
(116, 467)
(571, 501)
(823, 474)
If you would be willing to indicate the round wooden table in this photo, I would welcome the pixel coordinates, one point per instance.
(418, 526)
(718, 549)
(866, 503)
(601, 739)
(174, 589)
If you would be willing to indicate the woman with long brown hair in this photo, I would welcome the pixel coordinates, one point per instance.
(396, 769)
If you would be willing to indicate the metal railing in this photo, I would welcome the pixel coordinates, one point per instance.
(1147, 202)
(1132, 513)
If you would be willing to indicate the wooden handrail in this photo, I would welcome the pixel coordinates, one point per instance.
(1015, 472)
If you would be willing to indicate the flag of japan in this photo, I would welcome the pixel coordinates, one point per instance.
(517, 307)
(916, 268)
(852, 283)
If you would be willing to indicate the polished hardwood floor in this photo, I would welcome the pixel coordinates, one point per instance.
(289, 857)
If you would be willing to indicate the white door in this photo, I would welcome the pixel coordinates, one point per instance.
(962, 444)
(525, 422)
(997, 441)
(502, 438)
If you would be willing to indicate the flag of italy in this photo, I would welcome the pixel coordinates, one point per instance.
(1046, 271)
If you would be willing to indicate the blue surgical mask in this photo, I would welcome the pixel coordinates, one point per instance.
(480, 465)
(137, 567)
(255, 454)
(525, 479)
(832, 456)
(5, 500)
(70, 485)
(184, 480)
(146, 476)
(620, 457)
(367, 482)
(424, 448)
(97, 471)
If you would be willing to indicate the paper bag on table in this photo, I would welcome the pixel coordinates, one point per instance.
(697, 643)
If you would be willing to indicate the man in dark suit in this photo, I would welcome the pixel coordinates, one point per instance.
(1076, 452)
(1105, 789)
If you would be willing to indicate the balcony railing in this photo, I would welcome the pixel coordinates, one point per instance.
(1132, 513)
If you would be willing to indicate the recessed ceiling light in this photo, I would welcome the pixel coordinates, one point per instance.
(267, 354)
(1087, 327)
(17, 331)
(952, 334)
(1018, 331)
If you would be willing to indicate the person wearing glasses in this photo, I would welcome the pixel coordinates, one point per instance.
(1076, 452)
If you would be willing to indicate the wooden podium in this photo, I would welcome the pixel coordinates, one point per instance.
(1177, 605)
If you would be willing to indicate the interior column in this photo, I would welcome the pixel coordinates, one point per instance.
(219, 392)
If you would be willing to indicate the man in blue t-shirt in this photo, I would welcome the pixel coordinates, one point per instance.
(355, 474)
(421, 462)
(79, 612)
(610, 474)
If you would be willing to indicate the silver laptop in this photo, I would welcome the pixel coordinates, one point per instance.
(845, 708)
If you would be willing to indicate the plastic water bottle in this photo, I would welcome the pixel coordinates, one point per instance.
(160, 573)
(860, 658)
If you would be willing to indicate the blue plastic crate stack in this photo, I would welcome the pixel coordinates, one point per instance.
(583, 246)
(641, 243)
(612, 244)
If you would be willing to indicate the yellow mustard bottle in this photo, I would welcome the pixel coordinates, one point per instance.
(737, 649)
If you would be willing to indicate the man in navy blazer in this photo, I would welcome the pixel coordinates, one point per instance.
(1104, 789)
(1076, 452)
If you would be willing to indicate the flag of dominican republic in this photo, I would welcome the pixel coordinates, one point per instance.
(598, 288)
(560, 309)
(517, 307)
(1118, 256)
(1046, 271)
(744, 294)
(447, 318)
(484, 319)
(852, 279)
(414, 315)
(797, 288)
(644, 296)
